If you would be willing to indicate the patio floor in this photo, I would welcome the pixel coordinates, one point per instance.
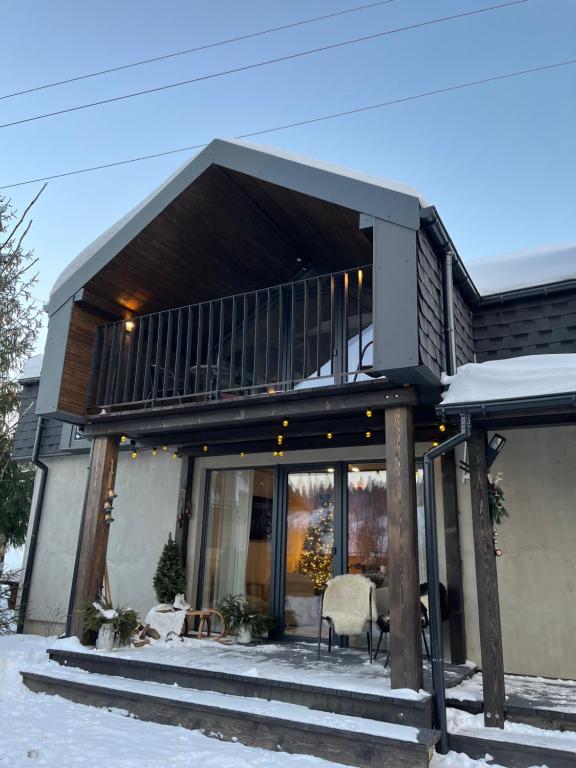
(346, 669)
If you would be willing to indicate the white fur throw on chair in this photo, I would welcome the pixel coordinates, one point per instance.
(347, 603)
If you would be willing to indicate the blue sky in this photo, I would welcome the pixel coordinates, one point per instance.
(497, 160)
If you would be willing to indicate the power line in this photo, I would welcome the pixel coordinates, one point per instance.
(309, 121)
(276, 60)
(198, 48)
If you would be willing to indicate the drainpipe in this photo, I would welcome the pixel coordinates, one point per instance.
(35, 526)
(449, 331)
(436, 635)
(78, 547)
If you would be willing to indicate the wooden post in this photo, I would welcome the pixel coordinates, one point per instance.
(486, 584)
(453, 560)
(405, 642)
(94, 534)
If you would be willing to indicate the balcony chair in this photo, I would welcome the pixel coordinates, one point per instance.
(348, 607)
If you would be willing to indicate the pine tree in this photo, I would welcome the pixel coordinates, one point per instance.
(315, 560)
(170, 577)
(20, 320)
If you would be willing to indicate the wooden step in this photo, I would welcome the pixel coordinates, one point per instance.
(416, 712)
(273, 725)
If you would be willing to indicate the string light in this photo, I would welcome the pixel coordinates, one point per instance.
(280, 453)
(435, 444)
(174, 455)
(442, 427)
(368, 434)
(164, 447)
(123, 439)
(285, 423)
(154, 451)
(134, 454)
(279, 439)
(329, 436)
(130, 325)
(369, 413)
(275, 453)
(242, 454)
(205, 448)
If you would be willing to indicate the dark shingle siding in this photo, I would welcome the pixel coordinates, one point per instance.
(27, 423)
(533, 325)
(430, 308)
(463, 329)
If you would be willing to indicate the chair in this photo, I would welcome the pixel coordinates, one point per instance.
(383, 619)
(348, 607)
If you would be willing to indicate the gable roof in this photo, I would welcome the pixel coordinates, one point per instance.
(366, 194)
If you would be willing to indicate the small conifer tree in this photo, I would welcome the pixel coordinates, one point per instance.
(170, 577)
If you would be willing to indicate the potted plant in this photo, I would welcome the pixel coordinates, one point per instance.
(244, 620)
(110, 626)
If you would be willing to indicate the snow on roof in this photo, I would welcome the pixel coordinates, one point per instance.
(32, 368)
(524, 269)
(512, 378)
(340, 170)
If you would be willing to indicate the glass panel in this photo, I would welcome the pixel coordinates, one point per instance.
(368, 522)
(239, 536)
(309, 548)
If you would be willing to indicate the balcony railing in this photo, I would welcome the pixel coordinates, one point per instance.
(312, 332)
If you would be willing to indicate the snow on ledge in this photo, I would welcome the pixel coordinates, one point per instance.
(32, 368)
(511, 378)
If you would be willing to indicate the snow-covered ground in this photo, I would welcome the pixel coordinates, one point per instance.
(49, 731)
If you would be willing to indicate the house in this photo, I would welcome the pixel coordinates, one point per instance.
(252, 361)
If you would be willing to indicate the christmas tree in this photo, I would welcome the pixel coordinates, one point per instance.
(170, 577)
(316, 558)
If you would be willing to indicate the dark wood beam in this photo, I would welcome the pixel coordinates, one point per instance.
(302, 404)
(405, 642)
(184, 507)
(486, 584)
(453, 560)
(94, 533)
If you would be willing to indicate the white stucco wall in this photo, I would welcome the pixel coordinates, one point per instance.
(57, 539)
(537, 571)
(144, 514)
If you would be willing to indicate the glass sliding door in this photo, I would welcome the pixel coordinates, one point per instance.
(238, 551)
(309, 548)
(368, 522)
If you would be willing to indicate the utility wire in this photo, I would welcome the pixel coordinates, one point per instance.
(309, 121)
(204, 47)
(247, 67)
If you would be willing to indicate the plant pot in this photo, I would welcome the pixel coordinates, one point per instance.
(244, 635)
(105, 639)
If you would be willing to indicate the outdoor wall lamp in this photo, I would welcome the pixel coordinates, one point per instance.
(495, 445)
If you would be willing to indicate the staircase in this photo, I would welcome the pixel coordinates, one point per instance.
(357, 729)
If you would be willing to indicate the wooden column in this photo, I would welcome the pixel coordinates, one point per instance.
(486, 584)
(405, 642)
(453, 560)
(94, 534)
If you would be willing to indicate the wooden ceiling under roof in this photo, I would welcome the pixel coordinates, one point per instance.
(227, 233)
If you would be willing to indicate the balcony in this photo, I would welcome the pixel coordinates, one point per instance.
(310, 333)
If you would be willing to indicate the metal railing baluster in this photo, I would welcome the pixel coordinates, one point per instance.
(168, 356)
(178, 355)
